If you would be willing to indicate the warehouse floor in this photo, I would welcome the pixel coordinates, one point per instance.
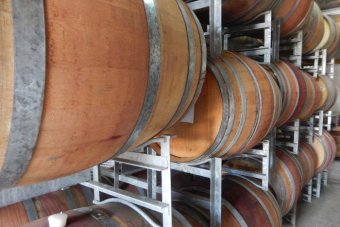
(323, 212)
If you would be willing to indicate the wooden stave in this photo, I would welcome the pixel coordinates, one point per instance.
(289, 87)
(293, 15)
(28, 175)
(19, 214)
(313, 30)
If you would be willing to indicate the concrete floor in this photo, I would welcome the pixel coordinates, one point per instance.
(325, 211)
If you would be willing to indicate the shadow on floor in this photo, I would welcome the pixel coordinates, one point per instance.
(322, 212)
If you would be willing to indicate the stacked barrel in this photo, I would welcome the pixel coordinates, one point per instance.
(93, 91)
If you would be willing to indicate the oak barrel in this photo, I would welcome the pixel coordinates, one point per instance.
(313, 31)
(312, 95)
(240, 12)
(239, 105)
(336, 136)
(293, 15)
(332, 43)
(308, 160)
(30, 210)
(328, 93)
(330, 39)
(285, 180)
(286, 176)
(302, 92)
(243, 203)
(113, 214)
(325, 149)
(288, 83)
(89, 79)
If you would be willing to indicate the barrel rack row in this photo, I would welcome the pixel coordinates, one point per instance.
(155, 193)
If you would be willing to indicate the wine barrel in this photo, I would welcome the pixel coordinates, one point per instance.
(313, 31)
(246, 198)
(332, 43)
(112, 214)
(289, 87)
(285, 177)
(91, 79)
(312, 94)
(239, 105)
(302, 92)
(325, 149)
(336, 136)
(243, 204)
(239, 12)
(285, 180)
(308, 159)
(196, 216)
(328, 93)
(30, 210)
(293, 15)
(330, 38)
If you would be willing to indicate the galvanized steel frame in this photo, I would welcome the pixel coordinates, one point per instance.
(149, 161)
(214, 171)
(292, 131)
(271, 37)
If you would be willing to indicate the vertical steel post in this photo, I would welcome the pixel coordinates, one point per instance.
(215, 191)
(215, 28)
(95, 177)
(151, 177)
(166, 182)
